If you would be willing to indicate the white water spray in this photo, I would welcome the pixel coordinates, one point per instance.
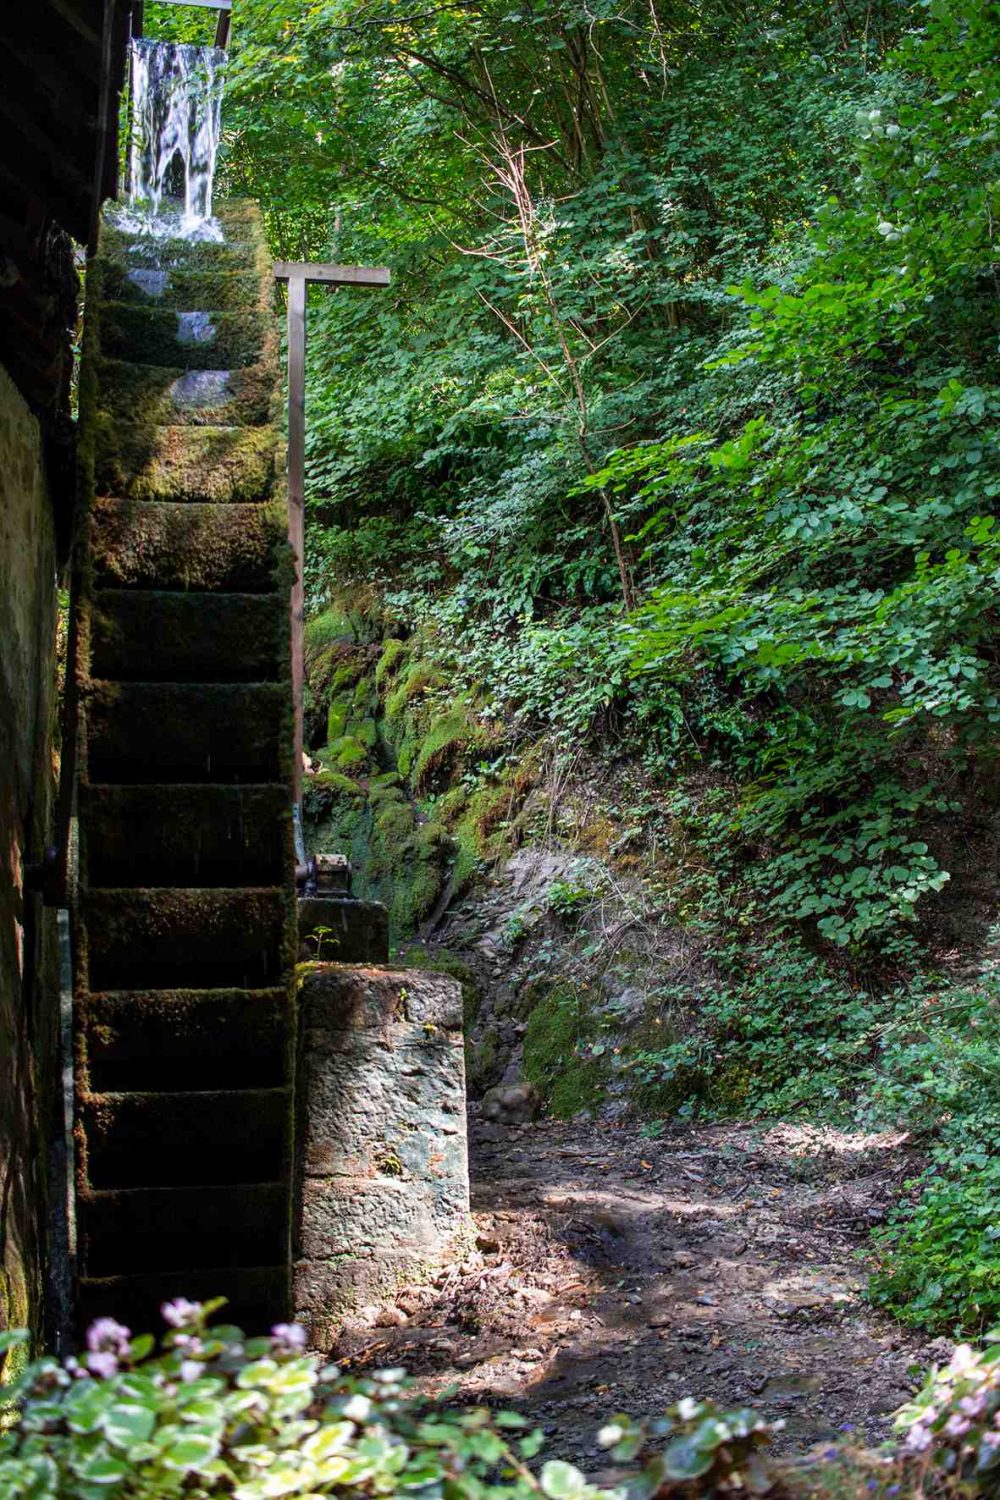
(176, 113)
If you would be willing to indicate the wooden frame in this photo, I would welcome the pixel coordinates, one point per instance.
(300, 275)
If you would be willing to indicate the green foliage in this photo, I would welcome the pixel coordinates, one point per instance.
(215, 1413)
(675, 438)
(937, 1073)
(950, 1427)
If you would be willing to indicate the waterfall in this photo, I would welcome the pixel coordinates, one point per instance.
(176, 110)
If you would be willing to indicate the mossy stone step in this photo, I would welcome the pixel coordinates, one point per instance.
(203, 835)
(185, 545)
(144, 1040)
(145, 732)
(184, 287)
(160, 939)
(183, 1139)
(153, 1229)
(191, 339)
(243, 246)
(189, 637)
(255, 1298)
(158, 395)
(217, 464)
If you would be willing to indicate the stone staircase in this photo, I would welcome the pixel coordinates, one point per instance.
(185, 907)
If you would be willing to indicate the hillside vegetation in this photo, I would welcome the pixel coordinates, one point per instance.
(652, 526)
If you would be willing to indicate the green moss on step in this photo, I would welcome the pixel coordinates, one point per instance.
(158, 336)
(196, 546)
(149, 395)
(220, 464)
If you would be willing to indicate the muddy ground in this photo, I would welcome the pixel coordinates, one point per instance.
(613, 1272)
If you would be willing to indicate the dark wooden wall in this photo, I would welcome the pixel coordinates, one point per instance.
(62, 68)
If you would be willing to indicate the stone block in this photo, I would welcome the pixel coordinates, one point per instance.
(344, 1216)
(383, 1105)
(382, 1134)
(357, 931)
(342, 997)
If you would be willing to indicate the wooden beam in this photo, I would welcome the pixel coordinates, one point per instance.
(297, 499)
(316, 272)
(299, 276)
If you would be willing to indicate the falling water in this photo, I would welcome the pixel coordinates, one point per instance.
(176, 109)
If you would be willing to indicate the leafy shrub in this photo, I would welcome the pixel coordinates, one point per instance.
(216, 1413)
(951, 1428)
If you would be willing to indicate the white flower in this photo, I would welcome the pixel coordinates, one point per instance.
(688, 1409)
(358, 1409)
(610, 1435)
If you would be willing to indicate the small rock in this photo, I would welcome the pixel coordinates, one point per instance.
(512, 1104)
(391, 1317)
(683, 1258)
(487, 1243)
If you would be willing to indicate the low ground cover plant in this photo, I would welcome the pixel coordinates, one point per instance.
(211, 1412)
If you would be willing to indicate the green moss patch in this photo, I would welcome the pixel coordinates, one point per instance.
(221, 464)
(196, 546)
(164, 336)
(557, 1056)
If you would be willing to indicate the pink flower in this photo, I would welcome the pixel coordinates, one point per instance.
(918, 1439)
(105, 1336)
(180, 1313)
(103, 1364)
(957, 1426)
(190, 1369)
(288, 1338)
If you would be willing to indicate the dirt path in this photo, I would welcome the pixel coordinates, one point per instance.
(617, 1273)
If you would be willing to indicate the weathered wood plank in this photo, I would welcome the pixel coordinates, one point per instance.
(318, 271)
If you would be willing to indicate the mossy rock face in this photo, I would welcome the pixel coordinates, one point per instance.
(336, 781)
(188, 341)
(336, 722)
(221, 464)
(349, 753)
(390, 662)
(165, 395)
(364, 731)
(559, 1031)
(450, 735)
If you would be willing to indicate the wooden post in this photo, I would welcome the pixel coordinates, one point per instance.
(299, 275)
(297, 496)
